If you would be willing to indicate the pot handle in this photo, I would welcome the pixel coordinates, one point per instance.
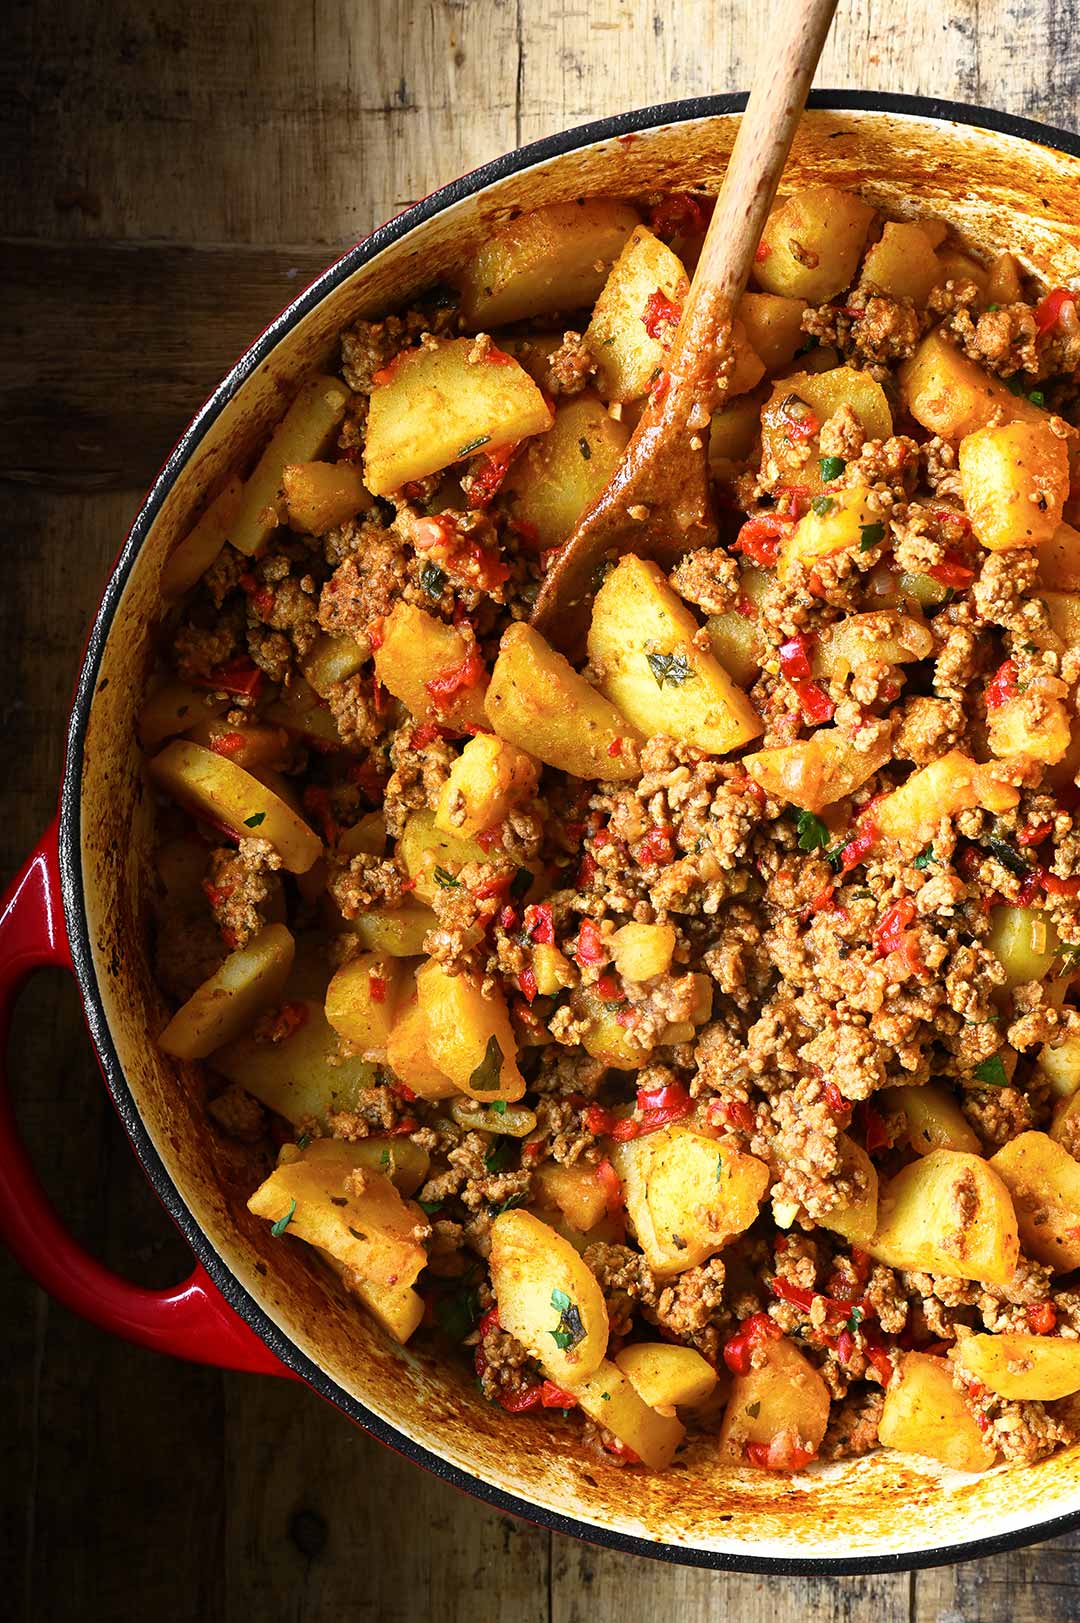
(192, 1320)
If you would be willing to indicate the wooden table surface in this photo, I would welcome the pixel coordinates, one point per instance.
(172, 171)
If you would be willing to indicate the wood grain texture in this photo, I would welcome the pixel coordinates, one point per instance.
(163, 170)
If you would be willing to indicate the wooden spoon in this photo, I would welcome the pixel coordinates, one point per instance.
(658, 503)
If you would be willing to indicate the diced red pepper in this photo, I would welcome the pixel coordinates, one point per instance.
(555, 1397)
(403, 1091)
(859, 847)
(216, 894)
(657, 846)
(801, 425)
(792, 501)
(586, 871)
(1034, 834)
(376, 634)
(1042, 1317)
(761, 252)
(680, 214)
(951, 571)
(877, 1136)
(1029, 891)
(1054, 886)
(835, 1099)
(289, 1018)
(447, 685)
(526, 531)
(228, 744)
(526, 1397)
(609, 988)
(746, 608)
(825, 901)
(539, 925)
(845, 1346)
(881, 1361)
(590, 945)
(659, 1107)
(1048, 310)
(377, 987)
(661, 316)
(737, 1112)
(795, 657)
(1002, 685)
(760, 538)
(889, 935)
(611, 1184)
(814, 702)
(240, 677)
(486, 480)
(615, 747)
(750, 1334)
(527, 982)
(622, 1451)
(782, 1454)
(598, 1120)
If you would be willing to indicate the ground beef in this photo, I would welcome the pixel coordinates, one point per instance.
(710, 579)
(870, 328)
(570, 366)
(853, 1425)
(366, 583)
(239, 886)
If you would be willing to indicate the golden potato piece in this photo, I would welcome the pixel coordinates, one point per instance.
(439, 404)
(819, 770)
(931, 1118)
(884, 636)
(952, 396)
(948, 1213)
(302, 434)
(610, 1398)
(189, 560)
(172, 708)
(547, 1297)
(641, 644)
(321, 495)
(784, 425)
(1021, 1366)
(842, 521)
(331, 660)
(408, 1054)
(558, 474)
(399, 931)
(399, 1159)
(926, 1414)
(625, 337)
(550, 260)
(1024, 941)
(667, 1377)
(857, 1220)
(1059, 559)
(470, 1038)
(575, 1190)
(219, 790)
(782, 1406)
(489, 777)
(1044, 1182)
(773, 327)
(223, 1007)
(953, 783)
(1033, 724)
(903, 262)
(643, 950)
(361, 1001)
(812, 243)
(417, 649)
(433, 858)
(687, 1195)
(538, 702)
(1014, 480)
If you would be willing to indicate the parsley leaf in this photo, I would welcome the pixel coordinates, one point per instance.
(832, 467)
(473, 445)
(813, 835)
(925, 858)
(498, 1156)
(1010, 859)
(992, 1072)
(1037, 397)
(430, 1206)
(857, 1316)
(432, 580)
(822, 505)
(585, 448)
(485, 1079)
(303, 1141)
(445, 881)
(719, 1168)
(570, 1329)
(870, 535)
(674, 669)
(499, 1107)
(278, 1229)
(255, 820)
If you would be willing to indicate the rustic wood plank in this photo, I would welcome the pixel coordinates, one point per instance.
(326, 1523)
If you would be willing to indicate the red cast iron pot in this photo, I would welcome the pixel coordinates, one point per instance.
(80, 901)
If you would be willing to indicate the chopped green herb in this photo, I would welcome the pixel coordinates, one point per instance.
(925, 858)
(474, 445)
(674, 669)
(1010, 859)
(870, 535)
(719, 1173)
(822, 505)
(430, 1206)
(992, 1072)
(384, 1159)
(813, 835)
(432, 580)
(497, 1158)
(278, 1229)
(606, 1396)
(1069, 960)
(1015, 384)
(499, 1107)
(585, 448)
(485, 1079)
(508, 1205)
(990, 307)
(753, 1409)
(570, 1330)
(303, 1141)
(254, 820)
(832, 467)
(1037, 397)
(458, 1314)
(446, 881)
(857, 1316)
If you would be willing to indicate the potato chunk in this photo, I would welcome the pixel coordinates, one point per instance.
(224, 1006)
(575, 1190)
(354, 1213)
(953, 783)
(399, 931)
(1024, 941)
(361, 1001)
(883, 635)
(609, 1397)
(1033, 724)
(687, 1195)
(643, 950)
(1021, 1366)
(408, 1053)
(667, 1377)
(1059, 559)
(1014, 480)
(811, 244)
(782, 1407)
(773, 327)
(222, 792)
(321, 495)
(1059, 1062)
(857, 1220)
(551, 259)
(560, 473)
(931, 1119)
(840, 522)
(302, 434)
(952, 396)
(628, 355)
(641, 644)
(470, 1038)
(824, 393)
(547, 1297)
(1044, 1182)
(438, 404)
(175, 707)
(925, 1413)
(538, 702)
(817, 771)
(948, 1213)
(902, 263)
(489, 777)
(433, 858)
(191, 558)
(415, 650)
